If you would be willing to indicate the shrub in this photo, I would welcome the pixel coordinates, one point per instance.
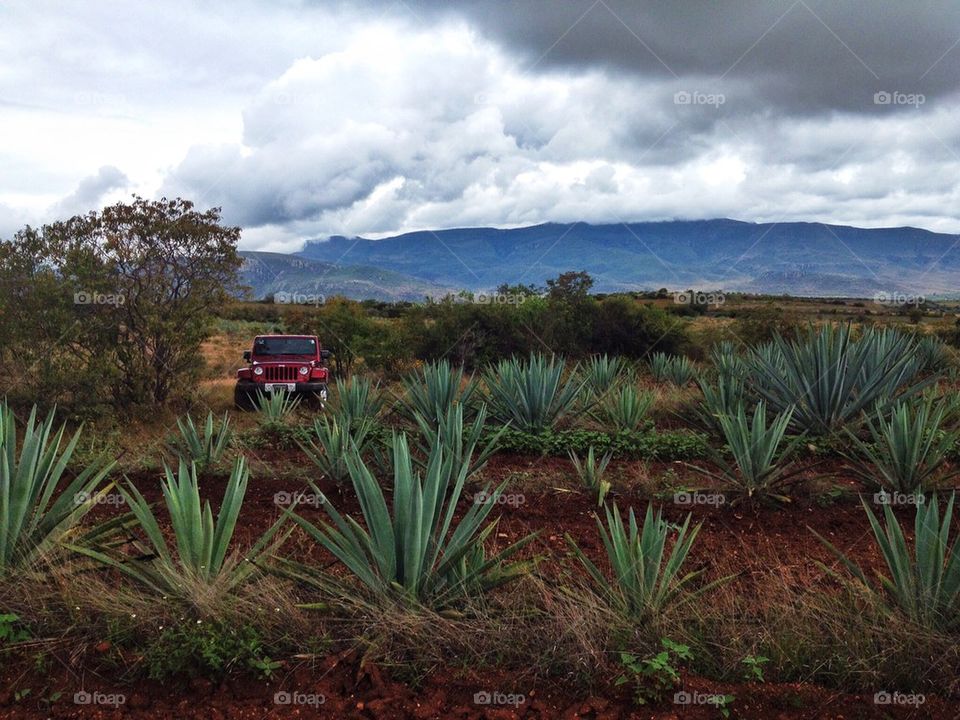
(590, 472)
(907, 450)
(923, 584)
(208, 648)
(431, 391)
(198, 567)
(530, 394)
(203, 448)
(643, 584)
(758, 470)
(414, 552)
(36, 513)
(624, 409)
(673, 445)
(676, 369)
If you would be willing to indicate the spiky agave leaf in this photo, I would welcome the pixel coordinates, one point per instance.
(412, 550)
(435, 388)
(203, 447)
(276, 408)
(675, 369)
(457, 440)
(624, 408)
(923, 585)
(643, 584)
(335, 439)
(531, 394)
(591, 472)
(32, 521)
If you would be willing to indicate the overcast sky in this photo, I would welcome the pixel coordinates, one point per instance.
(366, 118)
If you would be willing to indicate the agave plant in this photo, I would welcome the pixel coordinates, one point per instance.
(203, 447)
(676, 369)
(726, 396)
(335, 442)
(456, 441)
(830, 379)
(908, 449)
(531, 394)
(758, 469)
(357, 400)
(602, 373)
(932, 353)
(727, 362)
(276, 408)
(413, 551)
(36, 511)
(590, 472)
(642, 585)
(624, 409)
(923, 584)
(199, 561)
(437, 387)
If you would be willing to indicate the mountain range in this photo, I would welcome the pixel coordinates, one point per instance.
(796, 258)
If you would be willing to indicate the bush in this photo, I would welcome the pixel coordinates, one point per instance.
(672, 445)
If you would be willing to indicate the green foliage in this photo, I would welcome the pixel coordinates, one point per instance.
(727, 362)
(531, 394)
(415, 551)
(590, 472)
(36, 512)
(206, 648)
(12, 630)
(923, 585)
(431, 391)
(666, 445)
(113, 306)
(334, 443)
(676, 369)
(753, 667)
(654, 676)
(199, 560)
(643, 585)
(907, 450)
(624, 408)
(206, 447)
(830, 379)
(758, 470)
(275, 408)
(725, 396)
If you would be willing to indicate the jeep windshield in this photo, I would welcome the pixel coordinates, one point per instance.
(276, 346)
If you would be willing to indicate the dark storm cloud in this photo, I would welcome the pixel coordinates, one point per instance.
(803, 56)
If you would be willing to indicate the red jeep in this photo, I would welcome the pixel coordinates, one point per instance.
(282, 363)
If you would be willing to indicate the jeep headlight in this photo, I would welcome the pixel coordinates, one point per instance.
(258, 371)
(304, 370)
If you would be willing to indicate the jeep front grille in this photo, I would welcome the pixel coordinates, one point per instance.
(280, 374)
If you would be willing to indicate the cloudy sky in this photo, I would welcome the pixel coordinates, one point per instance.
(305, 119)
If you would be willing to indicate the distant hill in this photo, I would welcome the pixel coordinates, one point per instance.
(790, 257)
(267, 274)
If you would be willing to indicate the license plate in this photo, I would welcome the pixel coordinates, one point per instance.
(280, 387)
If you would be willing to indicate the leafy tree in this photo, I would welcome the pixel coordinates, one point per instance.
(122, 298)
